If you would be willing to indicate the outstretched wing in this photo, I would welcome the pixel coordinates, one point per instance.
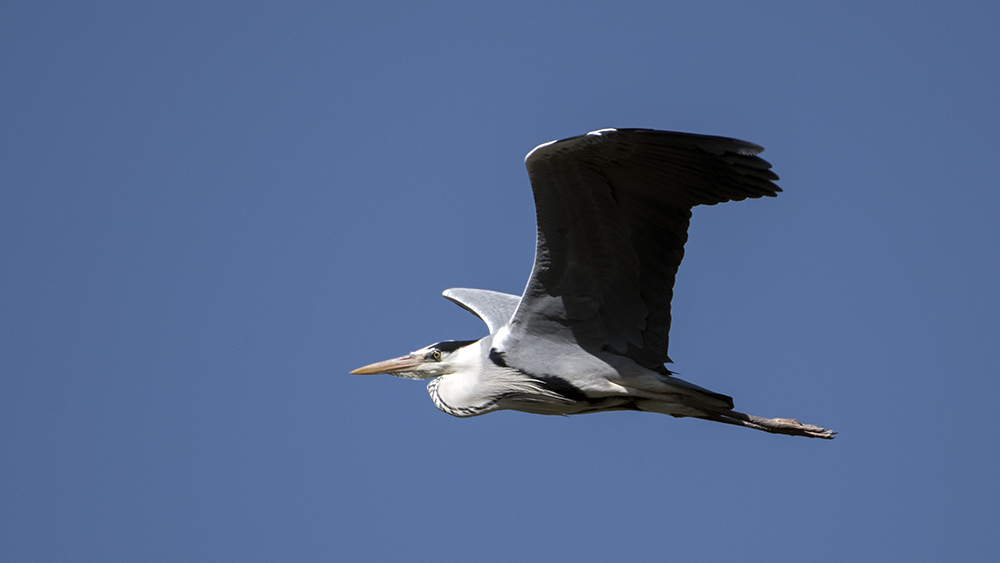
(613, 208)
(493, 307)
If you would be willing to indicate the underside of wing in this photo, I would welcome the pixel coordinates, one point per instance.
(493, 307)
(613, 208)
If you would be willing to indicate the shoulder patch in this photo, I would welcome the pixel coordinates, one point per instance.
(496, 356)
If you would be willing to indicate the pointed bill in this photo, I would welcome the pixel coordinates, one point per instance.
(408, 362)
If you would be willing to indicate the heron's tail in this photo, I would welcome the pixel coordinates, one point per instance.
(701, 394)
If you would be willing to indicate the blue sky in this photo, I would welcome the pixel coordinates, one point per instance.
(210, 213)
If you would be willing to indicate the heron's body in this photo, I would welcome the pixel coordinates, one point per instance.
(590, 332)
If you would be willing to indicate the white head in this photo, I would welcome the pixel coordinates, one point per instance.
(435, 360)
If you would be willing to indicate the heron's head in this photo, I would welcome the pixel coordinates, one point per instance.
(432, 361)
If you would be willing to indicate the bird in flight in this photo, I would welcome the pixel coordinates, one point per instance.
(590, 332)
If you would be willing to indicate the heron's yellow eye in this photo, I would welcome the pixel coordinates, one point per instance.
(436, 354)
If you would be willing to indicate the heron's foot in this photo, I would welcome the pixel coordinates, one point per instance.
(788, 426)
(796, 428)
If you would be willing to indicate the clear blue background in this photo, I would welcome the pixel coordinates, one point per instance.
(210, 213)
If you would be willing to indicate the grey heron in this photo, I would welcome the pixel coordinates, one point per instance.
(590, 331)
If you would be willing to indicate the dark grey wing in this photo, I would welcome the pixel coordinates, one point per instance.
(493, 307)
(613, 208)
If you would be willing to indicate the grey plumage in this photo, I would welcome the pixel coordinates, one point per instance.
(591, 330)
(493, 307)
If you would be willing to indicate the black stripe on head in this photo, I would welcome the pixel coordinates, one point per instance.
(452, 345)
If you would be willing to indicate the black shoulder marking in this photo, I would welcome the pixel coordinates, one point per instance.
(496, 356)
(612, 404)
(452, 345)
(559, 385)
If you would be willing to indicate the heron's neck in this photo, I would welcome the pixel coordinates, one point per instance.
(476, 385)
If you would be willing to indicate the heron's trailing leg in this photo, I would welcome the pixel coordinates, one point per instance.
(788, 426)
